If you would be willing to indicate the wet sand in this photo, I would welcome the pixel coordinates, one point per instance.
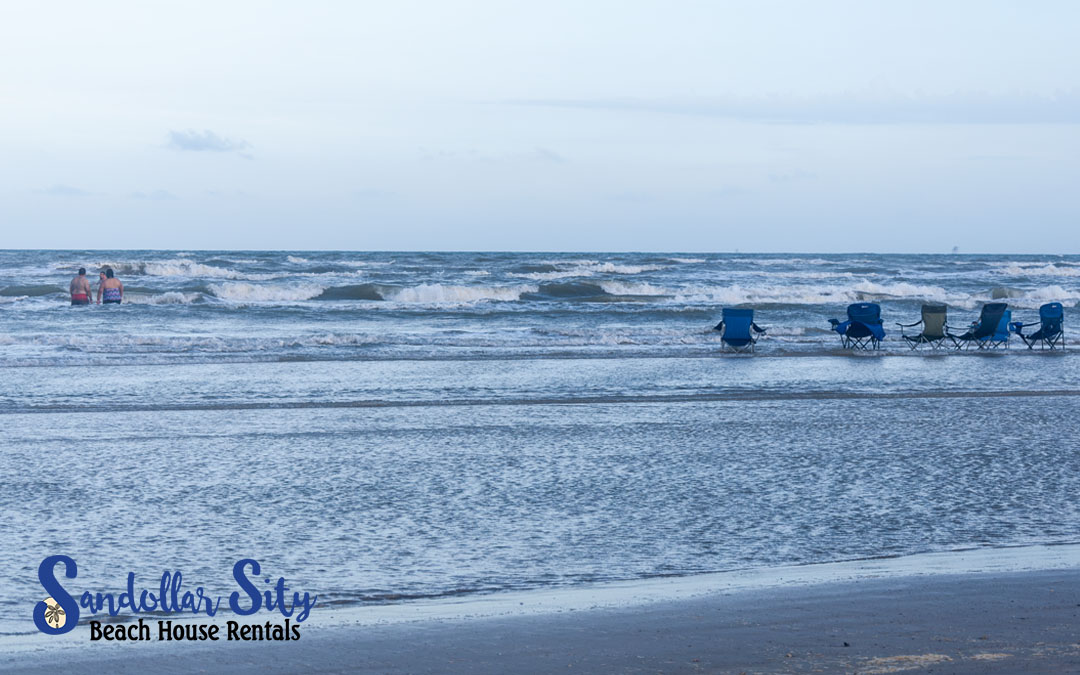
(972, 623)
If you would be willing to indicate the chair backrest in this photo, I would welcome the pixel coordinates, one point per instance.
(990, 319)
(864, 312)
(1002, 332)
(737, 323)
(1052, 315)
(933, 318)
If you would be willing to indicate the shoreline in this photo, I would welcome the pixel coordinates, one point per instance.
(493, 630)
(957, 623)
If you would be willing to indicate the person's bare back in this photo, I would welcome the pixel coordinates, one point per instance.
(80, 288)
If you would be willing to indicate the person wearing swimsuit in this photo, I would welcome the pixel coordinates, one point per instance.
(110, 291)
(80, 288)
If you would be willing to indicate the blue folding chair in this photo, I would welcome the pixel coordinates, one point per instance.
(1051, 333)
(991, 331)
(863, 329)
(738, 330)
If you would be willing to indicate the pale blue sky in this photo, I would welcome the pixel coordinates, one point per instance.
(602, 125)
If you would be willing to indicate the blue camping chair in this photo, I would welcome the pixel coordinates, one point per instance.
(1051, 333)
(990, 331)
(738, 330)
(863, 329)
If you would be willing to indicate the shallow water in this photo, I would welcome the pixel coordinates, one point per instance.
(447, 458)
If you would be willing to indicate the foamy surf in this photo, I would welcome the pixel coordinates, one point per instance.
(449, 294)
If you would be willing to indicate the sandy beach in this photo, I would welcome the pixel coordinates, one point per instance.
(954, 623)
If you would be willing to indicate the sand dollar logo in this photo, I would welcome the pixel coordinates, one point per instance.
(54, 616)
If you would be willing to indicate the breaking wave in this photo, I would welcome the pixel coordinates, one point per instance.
(445, 294)
(1024, 269)
(587, 267)
(640, 289)
(180, 268)
(266, 293)
(167, 298)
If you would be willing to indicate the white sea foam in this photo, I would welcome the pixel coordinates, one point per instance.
(627, 288)
(167, 298)
(1017, 269)
(551, 276)
(688, 261)
(1035, 298)
(245, 292)
(586, 267)
(364, 263)
(864, 290)
(296, 259)
(612, 268)
(441, 293)
(793, 261)
(180, 268)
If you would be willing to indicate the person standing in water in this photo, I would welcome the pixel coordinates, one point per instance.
(110, 291)
(80, 288)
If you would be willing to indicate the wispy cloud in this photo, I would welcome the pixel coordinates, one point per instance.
(207, 141)
(544, 155)
(60, 190)
(956, 108)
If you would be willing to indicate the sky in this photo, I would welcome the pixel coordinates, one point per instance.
(577, 126)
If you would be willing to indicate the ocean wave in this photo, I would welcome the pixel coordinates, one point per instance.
(864, 291)
(444, 294)
(687, 261)
(180, 268)
(351, 292)
(167, 298)
(635, 289)
(792, 261)
(296, 259)
(233, 261)
(265, 293)
(364, 263)
(32, 291)
(551, 276)
(581, 267)
(574, 289)
(612, 268)
(1024, 269)
(1035, 298)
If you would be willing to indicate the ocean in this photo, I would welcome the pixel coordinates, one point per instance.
(384, 427)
